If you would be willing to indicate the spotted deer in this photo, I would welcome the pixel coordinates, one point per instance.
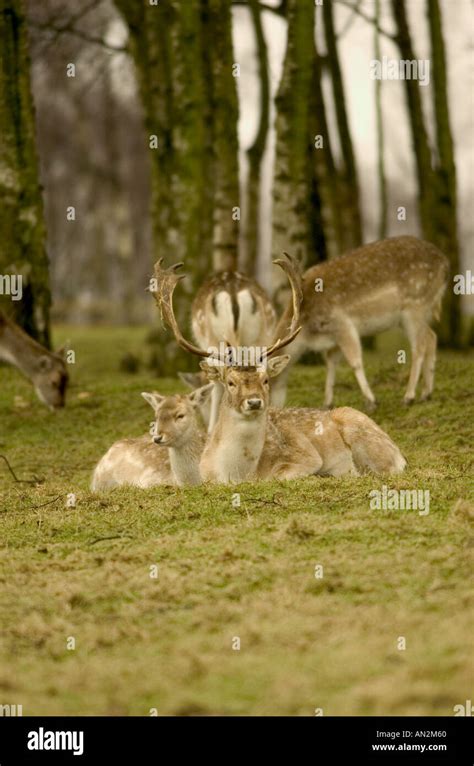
(45, 369)
(170, 455)
(231, 308)
(253, 441)
(400, 280)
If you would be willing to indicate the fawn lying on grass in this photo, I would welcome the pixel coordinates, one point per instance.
(144, 461)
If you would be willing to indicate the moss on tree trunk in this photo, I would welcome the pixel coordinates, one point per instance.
(23, 236)
(183, 58)
(293, 177)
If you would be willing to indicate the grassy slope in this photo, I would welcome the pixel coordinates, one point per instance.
(166, 643)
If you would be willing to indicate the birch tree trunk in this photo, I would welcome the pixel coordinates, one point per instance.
(257, 150)
(23, 234)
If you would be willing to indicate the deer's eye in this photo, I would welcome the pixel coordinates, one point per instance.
(179, 417)
(265, 381)
(230, 384)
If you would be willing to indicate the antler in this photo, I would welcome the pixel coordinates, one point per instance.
(166, 281)
(292, 270)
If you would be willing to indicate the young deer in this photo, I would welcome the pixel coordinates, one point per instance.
(366, 291)
(140, 462)
(46, 370)
(251, 441)
(231, 308)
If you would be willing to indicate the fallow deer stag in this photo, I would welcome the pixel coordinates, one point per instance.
(231, 308)
(251, 441)
(394, 281)
(171, 455)
(46, 370)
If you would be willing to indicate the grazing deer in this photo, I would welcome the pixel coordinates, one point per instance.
(400, 280)
(46, 370)
(141, 463)
(231, 308)
(251, 441)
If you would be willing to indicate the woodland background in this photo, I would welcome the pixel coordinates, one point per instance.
(167, 70)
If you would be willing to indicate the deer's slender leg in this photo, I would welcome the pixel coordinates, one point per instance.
(347, 338)
(416, 330)
(429, 361)
(331, 357)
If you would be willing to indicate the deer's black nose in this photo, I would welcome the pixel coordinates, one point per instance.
(254, 404)
(157, 439)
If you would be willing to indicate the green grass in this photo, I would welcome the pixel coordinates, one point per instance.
(225, 571)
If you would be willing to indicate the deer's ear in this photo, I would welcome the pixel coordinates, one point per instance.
(200, 395)
(211, 371)
(277, 365)
(153, 399)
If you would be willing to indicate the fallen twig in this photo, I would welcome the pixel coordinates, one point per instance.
(108, 537)
(20, 481)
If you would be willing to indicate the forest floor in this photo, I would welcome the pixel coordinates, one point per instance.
(224, 573)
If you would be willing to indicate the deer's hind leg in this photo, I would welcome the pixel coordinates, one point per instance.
(300, 459)
(348, 340)
(429, 362)
(331, 357)
(421, 344)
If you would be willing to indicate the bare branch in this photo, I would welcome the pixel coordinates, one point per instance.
(279, 10)
(356, 10)
(85, 36)
(350, 21)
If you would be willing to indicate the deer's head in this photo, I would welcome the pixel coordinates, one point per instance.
(175, 416)
(50, 379)
(247, 389)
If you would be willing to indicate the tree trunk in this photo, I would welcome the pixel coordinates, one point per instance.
(436, 180)
(183, 58)
(326, 178)
(383, 214)
(349, 188)
(23, 234)
(292, 187)
(224, 118)
(421, 148)
(256, 151)
(446, 215)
